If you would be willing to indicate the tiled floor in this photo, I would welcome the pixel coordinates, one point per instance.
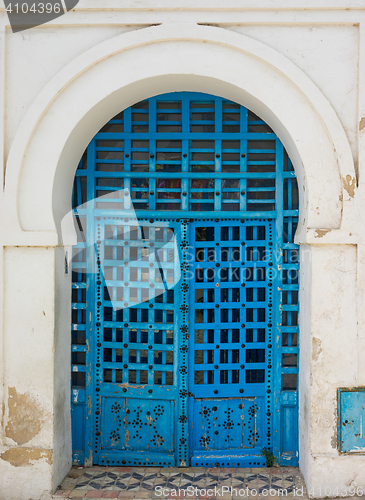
(191, 483)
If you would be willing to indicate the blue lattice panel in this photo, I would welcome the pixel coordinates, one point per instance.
(231, 294)
(137, 312)
(138, 425)
(184, 133)
(232, 307)
(191, 203)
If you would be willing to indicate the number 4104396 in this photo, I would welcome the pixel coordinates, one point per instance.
(35, 8)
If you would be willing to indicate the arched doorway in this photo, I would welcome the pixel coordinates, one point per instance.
(185, 289)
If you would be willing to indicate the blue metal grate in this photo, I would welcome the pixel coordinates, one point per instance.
(158, 153)
(191, 167)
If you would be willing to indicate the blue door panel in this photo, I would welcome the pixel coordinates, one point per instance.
(137, 339)
(230, 306)
(233, 425)
(130, 424)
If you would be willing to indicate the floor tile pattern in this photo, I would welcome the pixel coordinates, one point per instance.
(191, 483)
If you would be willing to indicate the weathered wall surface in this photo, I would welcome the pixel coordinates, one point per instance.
(328, 55)
(56, 82)
(28, 384)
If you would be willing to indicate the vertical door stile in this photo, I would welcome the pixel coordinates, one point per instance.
(278, 295)
(185, 181)
(127, 158)
(152, 127)
(243, 159)
(91, 254)
(182, 297)
(98, 328)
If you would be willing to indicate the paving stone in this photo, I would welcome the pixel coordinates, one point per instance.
(78, 494)
(155, 494)
(66, 485)
(140, 482)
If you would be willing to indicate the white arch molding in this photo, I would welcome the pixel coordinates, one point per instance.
(71, 109)
(106, 79)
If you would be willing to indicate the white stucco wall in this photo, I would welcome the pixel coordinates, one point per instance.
(301, 69)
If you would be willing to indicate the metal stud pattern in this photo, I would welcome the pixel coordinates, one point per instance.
(136, 313)
(231, 324)
(153, 334)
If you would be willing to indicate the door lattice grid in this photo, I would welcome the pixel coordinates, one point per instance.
(231, 306)
(181, 157)
(184, 154)
(137, 337)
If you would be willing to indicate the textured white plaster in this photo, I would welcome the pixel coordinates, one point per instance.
(44, 52)
(329, 55)
(295, 65)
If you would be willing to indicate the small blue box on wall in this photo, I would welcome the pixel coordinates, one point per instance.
(351, 420)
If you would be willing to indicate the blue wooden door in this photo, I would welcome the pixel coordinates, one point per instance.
(137, 308)
(231, 316)
(185, 289)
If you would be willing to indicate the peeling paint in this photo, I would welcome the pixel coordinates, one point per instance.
(127, 385)
(316, 348)
(25, 417)
(349, 185)
(126, 438)
(362, 123)
(334, 441)
(319, 233)
(75, 393)
(89, 459)
(24, 457)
